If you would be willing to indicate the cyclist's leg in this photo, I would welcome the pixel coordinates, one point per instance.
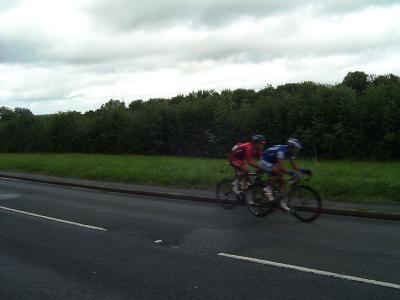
(278, 182)
(243, 174)
(267, 168)
(278, 179)
(240, 173)
(237, 167)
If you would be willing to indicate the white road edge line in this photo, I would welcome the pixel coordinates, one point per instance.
(314, 271)
(53, 219)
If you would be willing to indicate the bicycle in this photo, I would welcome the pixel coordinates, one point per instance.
(303, 201)
(227, 198)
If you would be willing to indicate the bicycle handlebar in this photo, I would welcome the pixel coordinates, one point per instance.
(253, 174)
(296, 179)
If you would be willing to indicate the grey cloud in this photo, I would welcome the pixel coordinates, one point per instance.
(38, 48)
(346, 6)
(38, 87)
(128, 15)
(152, 49)
(152, 52)
(18, 48)
(284, 40)
(40, 90)
(8, 4)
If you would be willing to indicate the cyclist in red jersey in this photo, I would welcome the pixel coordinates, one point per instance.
(242, 155)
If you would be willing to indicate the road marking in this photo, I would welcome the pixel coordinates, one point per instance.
(53, 219)
(314, 271)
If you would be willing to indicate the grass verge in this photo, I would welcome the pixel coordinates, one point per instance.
(346, 181)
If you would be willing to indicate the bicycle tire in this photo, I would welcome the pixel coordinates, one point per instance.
(255, 194)
(225, 196)
(305, 203)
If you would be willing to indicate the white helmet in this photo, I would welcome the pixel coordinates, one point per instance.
(295, 143)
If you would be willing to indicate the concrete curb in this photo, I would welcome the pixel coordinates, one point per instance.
(327, 210)
(361, 214)
(114, 189)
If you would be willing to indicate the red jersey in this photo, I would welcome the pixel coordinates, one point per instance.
(245, 151)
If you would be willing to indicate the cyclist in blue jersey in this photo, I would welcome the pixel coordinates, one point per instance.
(272, 163)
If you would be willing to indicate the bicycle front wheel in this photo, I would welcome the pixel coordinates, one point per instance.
(305, 203)
(225, 195)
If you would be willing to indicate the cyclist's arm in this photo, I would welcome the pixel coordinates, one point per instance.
(297, 168)
(295, 165)
(250, 160)
(281, 168)
(253, 163)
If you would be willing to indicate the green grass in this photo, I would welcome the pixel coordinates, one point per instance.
(347, 181)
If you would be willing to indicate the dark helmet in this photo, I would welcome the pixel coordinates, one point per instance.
(295, 143)
(258, 138)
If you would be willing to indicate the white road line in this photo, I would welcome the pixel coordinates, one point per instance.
(314, 271)
(53, 219)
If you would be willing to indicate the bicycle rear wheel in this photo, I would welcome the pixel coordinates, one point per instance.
(256, 202)
(225, 195)
(305, 203)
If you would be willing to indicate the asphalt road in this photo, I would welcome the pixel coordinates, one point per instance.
(151, 248)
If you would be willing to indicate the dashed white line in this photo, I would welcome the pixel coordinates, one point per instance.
(314, 271)
(53, 219)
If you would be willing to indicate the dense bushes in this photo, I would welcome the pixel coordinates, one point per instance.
(359, 118)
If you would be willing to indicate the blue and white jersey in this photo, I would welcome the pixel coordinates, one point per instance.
(272, 154)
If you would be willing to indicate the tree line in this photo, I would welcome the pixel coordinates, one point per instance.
(357, 118)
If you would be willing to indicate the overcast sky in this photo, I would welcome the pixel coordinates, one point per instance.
(58, 55)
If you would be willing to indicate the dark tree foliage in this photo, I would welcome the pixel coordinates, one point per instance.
(359, 118)
(357, 80)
